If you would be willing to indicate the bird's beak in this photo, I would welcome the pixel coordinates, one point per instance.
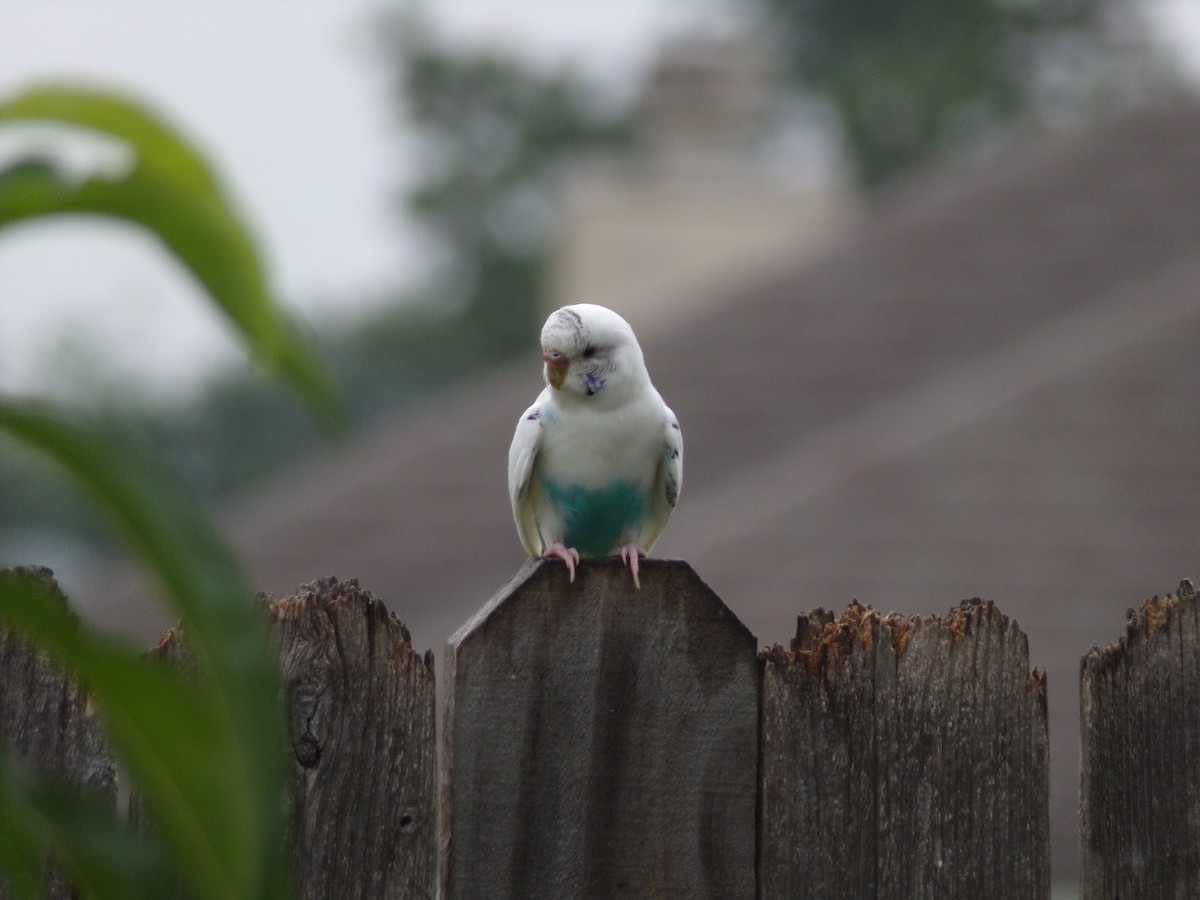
(556, 367)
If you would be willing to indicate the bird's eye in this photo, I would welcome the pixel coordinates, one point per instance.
(589, 352)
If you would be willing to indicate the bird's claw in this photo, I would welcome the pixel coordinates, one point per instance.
(569, 555)
(630, 554)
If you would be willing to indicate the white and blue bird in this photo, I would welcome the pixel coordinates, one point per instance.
(596, 463)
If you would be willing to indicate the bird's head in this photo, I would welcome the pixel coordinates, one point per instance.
(591, 352)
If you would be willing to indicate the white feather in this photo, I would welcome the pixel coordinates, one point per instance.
(522, 455)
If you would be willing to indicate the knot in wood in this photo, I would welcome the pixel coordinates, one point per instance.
(308, 750)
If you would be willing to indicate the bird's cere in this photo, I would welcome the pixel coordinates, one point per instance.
(596, 463)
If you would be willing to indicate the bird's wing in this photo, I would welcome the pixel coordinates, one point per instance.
(522, 456)
(667, 482)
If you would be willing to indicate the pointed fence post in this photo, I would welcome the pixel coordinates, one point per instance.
(904, 758)
(601, 741)
(1140, 774)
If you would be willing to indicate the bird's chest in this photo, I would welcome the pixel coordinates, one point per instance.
(595, 476)
(596, 451)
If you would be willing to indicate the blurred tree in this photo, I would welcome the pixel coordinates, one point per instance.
(493, 133)
(909, 79)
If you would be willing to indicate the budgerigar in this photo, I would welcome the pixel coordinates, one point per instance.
(596, 463)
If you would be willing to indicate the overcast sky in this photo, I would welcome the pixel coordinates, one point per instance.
(291, 102)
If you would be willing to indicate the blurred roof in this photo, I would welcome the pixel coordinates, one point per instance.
(988, 389)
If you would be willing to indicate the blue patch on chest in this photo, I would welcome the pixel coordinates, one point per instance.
(594, 518)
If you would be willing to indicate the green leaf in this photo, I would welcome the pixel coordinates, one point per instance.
(171, 193)
(229, 730)
(104, 855)
(155, 143)
(208, 754)
(22, 849)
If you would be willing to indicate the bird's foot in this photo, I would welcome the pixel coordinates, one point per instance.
(630, 554)
(569, 555)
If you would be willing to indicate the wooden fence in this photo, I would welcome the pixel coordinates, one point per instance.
(604, 742)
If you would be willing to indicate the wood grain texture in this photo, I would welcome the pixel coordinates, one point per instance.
(601, 741)
(46, 719)
(1140, 756)
(904, 757)
(361, 705)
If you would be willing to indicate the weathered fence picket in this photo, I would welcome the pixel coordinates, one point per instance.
(601, 741)
(361, 709)
(1140, 765)
(606, 741)
(46, 721)
(361, 706)
(904, 758)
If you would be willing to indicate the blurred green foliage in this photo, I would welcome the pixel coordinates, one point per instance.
(168, 190)
(495, 134)
(207, 749)
(910, 79)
